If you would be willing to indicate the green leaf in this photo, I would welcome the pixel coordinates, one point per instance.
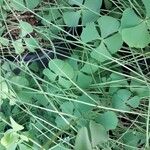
(15, 125)
(108, 119)
(10, 139)
(133, 138)
(4, 90)
(91, 13)
(140, 89)
(31, 44)
(147, 6)
(89, 10)
(101, 53)
(22, 5)
(20, 81)
(89, 68)
(83, 83)
(67, 107)
(129, 19)
(52, 15)
(117, 81)
(137, 36)
(75, 2)
(89, 30)
(98, 134)
(81, 107)
(4, 41)
(25, 27)
(124, 100)
(71, 18)
(32, 4)
(18, 5)
(114, 43)
(60, 71)
(134, 102)
(81, 144)
(18, 45)
(61, 123)
(108, 25)
(61, 68)
(119, 99)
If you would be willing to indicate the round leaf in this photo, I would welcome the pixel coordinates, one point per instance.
(81, 144)
(98, 134)
(108, 119)
(25, 27)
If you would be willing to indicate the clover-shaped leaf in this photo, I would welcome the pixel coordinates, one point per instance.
(124, 100)
(88, 12)
(109, 37)
(60, 71)
(82, 71)
(134, 32)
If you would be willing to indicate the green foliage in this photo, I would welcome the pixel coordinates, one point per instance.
(97, 136)
(11, 138)
(110, 39)
(60, 72)
(88, 12)
(21, 5)
(134, 33)
(123, 100)
(74, 74)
